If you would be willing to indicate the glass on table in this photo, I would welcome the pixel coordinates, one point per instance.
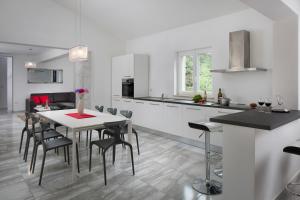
(268, 103)
(261, 102)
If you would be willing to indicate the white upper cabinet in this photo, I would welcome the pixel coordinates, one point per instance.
(134, 66)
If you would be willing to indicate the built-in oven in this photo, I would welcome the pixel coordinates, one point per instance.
(128, 88)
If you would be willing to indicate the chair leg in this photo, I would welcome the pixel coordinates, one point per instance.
(34, 159)
(132, 162)
(137, 141)
(32, 156)
(26, 147)
(104, 166)
(114, 154)
(91, 136)
(90, 160)
(65, 154)
(68, 154)
(87, 138)
(79, 138)
(23, 131)
(42, 169)
(77, 158)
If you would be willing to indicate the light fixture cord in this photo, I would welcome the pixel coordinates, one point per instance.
(80, 18)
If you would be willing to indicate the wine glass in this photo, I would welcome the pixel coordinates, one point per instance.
(279, 100)
(268, 103)
(261, 102)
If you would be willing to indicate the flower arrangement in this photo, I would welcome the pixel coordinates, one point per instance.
(81, 92)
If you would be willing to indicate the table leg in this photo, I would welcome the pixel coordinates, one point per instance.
(129, 136)
(74, 164)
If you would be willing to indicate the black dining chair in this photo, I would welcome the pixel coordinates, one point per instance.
(37, 139)
(128, 114)
(112, 111)
(29, 135)
(114, 128)
(55, 144)
(100, 109)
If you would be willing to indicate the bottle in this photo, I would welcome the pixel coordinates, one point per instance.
(205, 95)
(220, 95)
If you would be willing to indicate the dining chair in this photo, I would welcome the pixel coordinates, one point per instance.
(37, 139)
(128, 114)
(54, 144)
(112, 111)
(29, 135)
(100, 109)
(114, 128)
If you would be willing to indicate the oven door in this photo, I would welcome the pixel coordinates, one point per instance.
(127, 88)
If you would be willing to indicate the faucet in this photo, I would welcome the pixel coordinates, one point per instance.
(162, 96)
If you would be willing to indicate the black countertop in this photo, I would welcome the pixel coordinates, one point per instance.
(190, 102)
(259, 120)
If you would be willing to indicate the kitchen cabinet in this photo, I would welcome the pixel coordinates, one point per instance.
(193, 113)
(172, 119)
(135, 66)
(153, 115)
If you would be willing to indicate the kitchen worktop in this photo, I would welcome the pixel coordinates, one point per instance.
(258, 120)
(190, 102)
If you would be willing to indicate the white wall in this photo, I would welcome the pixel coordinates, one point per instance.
(3, 82)
(48, 24)
(243, 88)
(22, 89)
(285, 70)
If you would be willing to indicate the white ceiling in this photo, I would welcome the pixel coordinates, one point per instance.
(128, 19)
(16, 49)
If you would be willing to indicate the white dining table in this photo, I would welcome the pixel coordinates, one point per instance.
(77, 125)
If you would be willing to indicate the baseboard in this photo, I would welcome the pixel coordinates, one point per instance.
(188, 141)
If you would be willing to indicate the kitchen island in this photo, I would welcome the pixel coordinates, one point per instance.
(255, 167)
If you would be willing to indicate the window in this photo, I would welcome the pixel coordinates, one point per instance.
(194, 74)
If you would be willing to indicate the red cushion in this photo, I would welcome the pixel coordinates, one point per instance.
(36, 100)
(44, 99)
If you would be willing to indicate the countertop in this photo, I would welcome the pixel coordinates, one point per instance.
(259, 120)
(190, 102)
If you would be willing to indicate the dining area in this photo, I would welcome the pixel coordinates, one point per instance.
(104, 130)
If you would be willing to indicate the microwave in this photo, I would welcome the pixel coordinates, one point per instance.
(128, 88)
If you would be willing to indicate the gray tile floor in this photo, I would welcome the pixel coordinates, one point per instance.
(164, 170)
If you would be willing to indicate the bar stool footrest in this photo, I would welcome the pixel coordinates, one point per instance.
(211, 187)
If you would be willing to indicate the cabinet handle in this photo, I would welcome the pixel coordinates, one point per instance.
(154, 104)
(193, 109)
(139, 102)
(172, 106)
(222, 112)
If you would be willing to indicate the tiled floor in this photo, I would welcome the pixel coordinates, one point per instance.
(164, 170)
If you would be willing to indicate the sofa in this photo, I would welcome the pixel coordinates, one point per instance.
(56, 101)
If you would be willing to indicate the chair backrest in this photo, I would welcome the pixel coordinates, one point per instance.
(27, 118)
(34, 120)
(99, 108)
(112, 111)
(115, 128)
(126, 113)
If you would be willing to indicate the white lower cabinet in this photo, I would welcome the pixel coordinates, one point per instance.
(171, 118)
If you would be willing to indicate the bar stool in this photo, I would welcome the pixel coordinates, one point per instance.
(207, 186)
(289, 187)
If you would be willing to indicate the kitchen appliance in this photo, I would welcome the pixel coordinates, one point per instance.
(128, 88)
(239, 53)
(224, 101)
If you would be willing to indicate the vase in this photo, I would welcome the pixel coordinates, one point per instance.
(80, 106)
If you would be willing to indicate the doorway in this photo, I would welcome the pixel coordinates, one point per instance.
(6, 82)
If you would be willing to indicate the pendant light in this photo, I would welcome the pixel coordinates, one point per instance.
(80, 52)
(29, 63)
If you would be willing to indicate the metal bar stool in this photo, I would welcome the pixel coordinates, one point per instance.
(292, 187)
(207, 186)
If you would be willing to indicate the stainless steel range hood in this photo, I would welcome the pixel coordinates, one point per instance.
(239, 53)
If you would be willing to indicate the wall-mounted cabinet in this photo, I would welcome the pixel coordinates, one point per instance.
(135, 66)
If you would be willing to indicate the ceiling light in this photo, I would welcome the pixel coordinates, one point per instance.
(30, 64)
(79, 53)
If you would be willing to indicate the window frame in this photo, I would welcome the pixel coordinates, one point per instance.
(196, 71)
